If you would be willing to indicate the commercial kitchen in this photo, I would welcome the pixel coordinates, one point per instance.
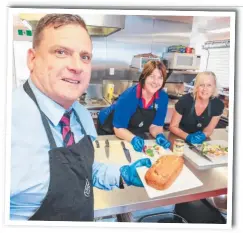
(122, 44)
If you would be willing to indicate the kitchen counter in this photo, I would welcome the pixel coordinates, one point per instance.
(132, 198)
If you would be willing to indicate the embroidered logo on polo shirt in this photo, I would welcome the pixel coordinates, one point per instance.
(141, 124)
(87, 188)
(199, 125)
(156, 106)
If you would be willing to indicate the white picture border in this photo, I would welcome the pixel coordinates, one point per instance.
(12, 11)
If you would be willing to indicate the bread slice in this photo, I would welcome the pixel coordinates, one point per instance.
(164, 171)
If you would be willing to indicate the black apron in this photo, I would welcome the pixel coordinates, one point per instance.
(139, 123)
(70, 191)
(193, 123)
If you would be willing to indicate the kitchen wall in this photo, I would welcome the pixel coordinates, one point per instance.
(140, 35)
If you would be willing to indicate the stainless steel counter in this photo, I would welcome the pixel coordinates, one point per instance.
(133, 198)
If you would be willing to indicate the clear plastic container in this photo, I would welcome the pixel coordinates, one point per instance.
(178, 147)
(163, 218)
(111, 218)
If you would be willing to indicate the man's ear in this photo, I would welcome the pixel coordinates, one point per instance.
(31, 59)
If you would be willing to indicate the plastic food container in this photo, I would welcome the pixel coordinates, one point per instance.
(163, 218)
(188, 50)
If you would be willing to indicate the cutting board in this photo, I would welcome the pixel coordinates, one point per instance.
(202, 164)
(186, 180)
(117, 156)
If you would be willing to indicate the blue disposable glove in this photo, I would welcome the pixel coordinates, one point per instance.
(196, 138)
(137, 143)
(129, 172)
(201, 137)
(191, 138)
(162, 141)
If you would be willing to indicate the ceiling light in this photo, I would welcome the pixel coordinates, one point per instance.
(26, 24)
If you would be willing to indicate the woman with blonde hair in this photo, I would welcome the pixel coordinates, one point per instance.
(141, 108)
(197, 114)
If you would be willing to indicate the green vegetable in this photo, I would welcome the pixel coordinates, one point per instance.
(150, 153)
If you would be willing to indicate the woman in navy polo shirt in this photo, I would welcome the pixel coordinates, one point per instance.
(141, 108)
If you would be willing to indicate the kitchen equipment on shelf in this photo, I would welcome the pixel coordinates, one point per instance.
(109, 91)
(83, 97)
(119, 87)
(176, 49)
(183, 61)
(188, 50)
(175, 90)
(94, 102)
(93, 99)
(138, 61)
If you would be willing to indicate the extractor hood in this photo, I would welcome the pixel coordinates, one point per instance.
(97, 25)
(180, 76)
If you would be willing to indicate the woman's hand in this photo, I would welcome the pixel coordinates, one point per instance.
(137, 143)
(196, 138)
(174, 125)
(162, 141)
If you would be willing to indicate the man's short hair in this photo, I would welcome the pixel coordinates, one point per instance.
(56, 21)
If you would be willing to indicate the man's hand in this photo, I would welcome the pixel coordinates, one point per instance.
(129, 172)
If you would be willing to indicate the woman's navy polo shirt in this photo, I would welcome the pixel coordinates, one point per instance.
(127, 104)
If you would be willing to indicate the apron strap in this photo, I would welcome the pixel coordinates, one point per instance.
(82, 128)
(193, 108)
(47, 127)
(209, 108)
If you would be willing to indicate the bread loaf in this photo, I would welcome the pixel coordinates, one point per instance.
(164, 171)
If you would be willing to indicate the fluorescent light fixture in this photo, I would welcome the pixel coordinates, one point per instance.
(26, 24)
(222, 30)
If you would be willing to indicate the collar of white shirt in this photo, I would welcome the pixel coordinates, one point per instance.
(49, 107)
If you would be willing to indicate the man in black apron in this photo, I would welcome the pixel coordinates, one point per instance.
(67, 202)
(70, 191)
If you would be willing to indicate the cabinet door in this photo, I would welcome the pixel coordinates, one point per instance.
(219, 63)
(20, 69)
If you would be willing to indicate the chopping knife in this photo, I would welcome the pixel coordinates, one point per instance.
(107, 148)
(97, 144)
(126, 151)
(197, 151)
